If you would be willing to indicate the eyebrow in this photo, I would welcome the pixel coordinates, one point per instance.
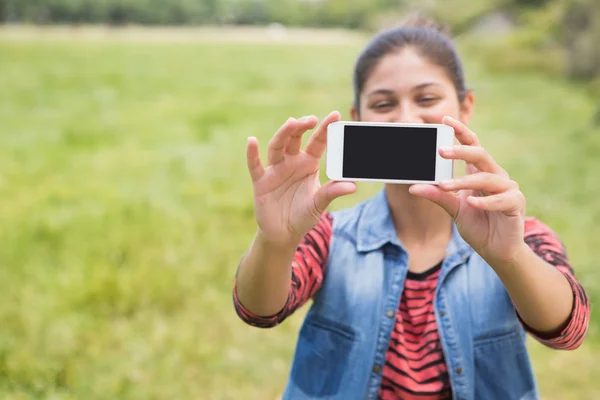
(389, 92)
(380, 91)
(424, 85)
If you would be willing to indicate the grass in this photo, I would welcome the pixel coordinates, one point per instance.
(126, 205)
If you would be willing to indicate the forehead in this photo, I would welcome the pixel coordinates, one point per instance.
(404, 70)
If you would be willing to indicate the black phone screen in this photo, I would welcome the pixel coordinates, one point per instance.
(389, 152)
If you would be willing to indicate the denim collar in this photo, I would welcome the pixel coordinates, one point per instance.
(375, 225)
(376, 228)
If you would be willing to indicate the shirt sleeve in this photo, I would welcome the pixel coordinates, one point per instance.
(308, 268)
(546, 244)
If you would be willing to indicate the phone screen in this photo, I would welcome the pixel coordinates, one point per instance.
(387, 152)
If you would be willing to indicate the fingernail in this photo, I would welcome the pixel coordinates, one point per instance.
(302, 119)
(446, 150)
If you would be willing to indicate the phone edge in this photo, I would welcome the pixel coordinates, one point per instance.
(334, 151)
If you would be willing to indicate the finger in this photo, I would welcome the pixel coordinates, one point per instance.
(318, 140)
(331, 191)
(255, 166)
(471, 169)
(448, 201)
(474, 155)
(463, 134)
(510, 203)
(276, 148)
(484, 181)
(304, 124)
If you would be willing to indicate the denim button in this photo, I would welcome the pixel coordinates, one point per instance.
(377, 368)
(459, 371)
(390, 313)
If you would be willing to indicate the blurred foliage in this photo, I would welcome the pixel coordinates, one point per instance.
(340, 13)
(581, 36)
(314, 13)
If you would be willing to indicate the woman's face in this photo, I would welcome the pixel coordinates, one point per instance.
(406, 88)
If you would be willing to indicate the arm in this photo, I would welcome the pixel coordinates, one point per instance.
(289, 202)
(263, 278)
(489, 211)
(541, 294)
(560, 329)
(261, 305)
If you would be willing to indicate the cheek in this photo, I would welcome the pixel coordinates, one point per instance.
(435, 114)
(368, 115)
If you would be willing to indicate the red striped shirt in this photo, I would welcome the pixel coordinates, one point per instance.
(415, 367)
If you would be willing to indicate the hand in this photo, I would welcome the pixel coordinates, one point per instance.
(487, 206)
(288, 196)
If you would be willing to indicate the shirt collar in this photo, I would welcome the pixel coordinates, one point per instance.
(375, 225)
(376, 228)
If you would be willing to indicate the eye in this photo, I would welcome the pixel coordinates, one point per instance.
(382, 105)
(426, 100)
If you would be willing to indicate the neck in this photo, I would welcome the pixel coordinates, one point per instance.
(418, 221)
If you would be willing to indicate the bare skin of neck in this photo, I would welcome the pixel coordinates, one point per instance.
(423, 227)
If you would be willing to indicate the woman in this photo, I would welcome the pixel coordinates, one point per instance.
(422, 292)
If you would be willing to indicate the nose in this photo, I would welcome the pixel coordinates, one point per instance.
(407, 114)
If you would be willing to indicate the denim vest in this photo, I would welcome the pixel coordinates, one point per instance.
(343, 341)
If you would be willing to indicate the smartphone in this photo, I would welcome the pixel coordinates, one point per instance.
(388, 152)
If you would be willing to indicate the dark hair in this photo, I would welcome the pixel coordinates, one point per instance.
(430, 39)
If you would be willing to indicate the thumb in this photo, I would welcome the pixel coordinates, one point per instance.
(331, 191)
(447, 200)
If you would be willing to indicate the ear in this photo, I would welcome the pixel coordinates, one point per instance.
(354, 113)
(466, 108)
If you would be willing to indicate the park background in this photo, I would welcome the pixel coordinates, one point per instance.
(125, 204)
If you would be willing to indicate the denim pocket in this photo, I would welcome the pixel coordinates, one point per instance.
(502, 368)
(322, 356)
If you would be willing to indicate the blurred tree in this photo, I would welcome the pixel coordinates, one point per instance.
(249, 12)
(533, 3)
(581, 35)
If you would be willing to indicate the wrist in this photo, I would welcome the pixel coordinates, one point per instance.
(510, 261)
(280, 244)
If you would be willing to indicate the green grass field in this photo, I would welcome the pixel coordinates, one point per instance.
(125, 206)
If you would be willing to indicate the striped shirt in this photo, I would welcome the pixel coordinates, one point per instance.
(414, 364)
(415, 368)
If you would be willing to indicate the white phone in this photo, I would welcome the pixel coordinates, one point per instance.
(388, 152)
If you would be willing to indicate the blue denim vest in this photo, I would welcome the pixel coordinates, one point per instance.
(343, 341)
